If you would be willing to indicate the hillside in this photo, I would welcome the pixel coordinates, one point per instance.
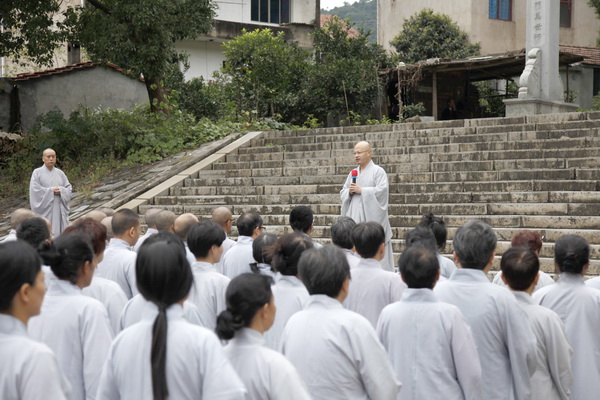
(363, 14)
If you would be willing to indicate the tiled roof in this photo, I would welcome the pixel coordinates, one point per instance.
(325, 18)
(591, 54)
(69, 68)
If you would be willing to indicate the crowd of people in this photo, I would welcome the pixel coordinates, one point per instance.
(184, 311)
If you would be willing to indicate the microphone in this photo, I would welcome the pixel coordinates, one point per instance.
(354, 175)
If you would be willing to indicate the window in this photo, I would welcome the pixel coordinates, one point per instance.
(565, 13)
(501, 9)
(272, 11)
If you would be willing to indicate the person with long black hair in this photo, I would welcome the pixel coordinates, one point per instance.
(250, 312)
(28, 369)
(578, 306)
(74, 326)
(164, 356)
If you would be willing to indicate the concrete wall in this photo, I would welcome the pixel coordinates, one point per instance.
(205, 57)
(92, 87)
(581, 80)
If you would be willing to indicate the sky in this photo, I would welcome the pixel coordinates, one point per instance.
(329, 4)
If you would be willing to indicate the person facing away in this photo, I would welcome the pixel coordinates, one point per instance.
(35, 231)
(340, 236)
(302, 221)
(578, 307)
(250, 312)
(118, 264)
(150, 218)
(29, 369)
(429, 342)
(50, 193)
(163, 356)
(438, 227)
(422, 236)
(223, 217)
(336, 351)
(181, 228)
(552, 378)
(16, 218)
(262, 258)
(205, 241)
(371, 287)
(367, 199)
(104, 290)
(532, 240)
(74, 326)
(239, 257)
(504, 339)
(289, 291)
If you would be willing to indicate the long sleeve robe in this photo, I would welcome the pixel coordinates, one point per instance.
(266, 373)
(371, 205)
(77, 329)
(431, 348)
(138, 307)
(28, 369)
(578, 306)
(45, 203)
(372, 288)
(238, 259)
(226, 245)
(196, 366)
(208, 292)
(337, 353)
(118, 265)
(552, 379)
(504, 339)
(111, 295)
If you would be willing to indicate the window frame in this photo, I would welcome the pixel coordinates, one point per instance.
(498, 6)
(256, 8)
(569, 4)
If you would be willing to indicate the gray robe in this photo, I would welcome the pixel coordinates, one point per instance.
(45, 203)
(371, 205)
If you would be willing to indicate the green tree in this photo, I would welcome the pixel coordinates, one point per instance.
(430, 35)
(362, 13)
(140, 35)
(31, 30)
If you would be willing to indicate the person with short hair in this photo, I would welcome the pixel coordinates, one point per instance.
(289, 291)
(119, 258)
(336, 351)
(371, 288)
(205, 241)
(422, 236)
(250, 313)
(163, 356)
(429, 342)
(96, 215)
(239, 257)
(165, 221)
(340, 236)
(552, 378)
(505, 342)
(578, 307)
(150, 219)
(223, 217)
(302, 220)
(533, 241)
(108, 211)
(29, 369)
(74, 326)
(16, 218)
(262, 258)
(438, 227)
(181, 228)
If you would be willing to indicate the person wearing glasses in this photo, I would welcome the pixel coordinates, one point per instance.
(239, 257)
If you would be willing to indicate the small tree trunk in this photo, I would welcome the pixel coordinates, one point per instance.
(157, 95)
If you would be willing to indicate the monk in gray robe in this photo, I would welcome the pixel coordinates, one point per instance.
(367, 199)
(50, 193)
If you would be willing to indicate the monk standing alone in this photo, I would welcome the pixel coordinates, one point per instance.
(50, 193)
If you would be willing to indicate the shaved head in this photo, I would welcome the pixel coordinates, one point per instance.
(20, 215)
(223, 217)
(96, 215)
(183, 224)
(150, 217)
(49, 158)
(362, 153)
(107, 222)
(164, 221)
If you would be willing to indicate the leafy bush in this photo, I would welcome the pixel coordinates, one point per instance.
(413, 110)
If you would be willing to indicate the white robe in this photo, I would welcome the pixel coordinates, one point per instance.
(111, 295)
(28, 369)
(149, 232)
(12, 236)
(118, 265)
(266, 373)
(208, 292)
(552, 379)
(371, 205)
(578, 306)
(77, 329)
(45, 203)
(337, 353)
(431, 348)
(447, 266)
(593, 282)
(196, 368)
(138, 307)
(505, 342)
(543, 281)
(189, 255)
(266, 270)
(226, 245)
(238, 259)
(289, 294)
(352, 258)
(372, 288)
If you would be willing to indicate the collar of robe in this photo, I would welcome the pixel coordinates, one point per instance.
(9, 325)
(244, 240)
(60, 287)
(174, 311)
(419, 295)
(523, 297)
(322, 301)
(203, 266)
(248, 337)
(469, 275)
(118, 244)
(289, 280)
(369, 263)
(570, 278)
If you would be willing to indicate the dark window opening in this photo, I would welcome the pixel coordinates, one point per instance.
(501, 9)
(565, 13)
(270, 11)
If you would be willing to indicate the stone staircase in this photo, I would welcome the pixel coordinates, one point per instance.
(537, 172)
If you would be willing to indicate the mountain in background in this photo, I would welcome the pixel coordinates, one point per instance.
(363, 14)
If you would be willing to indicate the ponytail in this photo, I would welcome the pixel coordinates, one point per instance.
(571, 254)
(228, 324)
(67, 254)
(158, 355)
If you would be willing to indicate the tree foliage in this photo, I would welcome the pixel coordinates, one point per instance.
(431, 35)
(362, 13)
(595, 4)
